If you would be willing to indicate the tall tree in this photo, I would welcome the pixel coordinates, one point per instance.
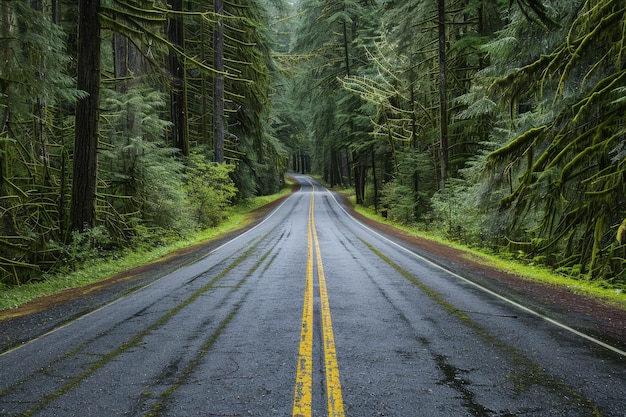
(287, 119)
(178, 89)
(564, 166)
(84, 179)
(35, 93)
(334, 35)
(7, 28)
(443, 106)
(218, 83)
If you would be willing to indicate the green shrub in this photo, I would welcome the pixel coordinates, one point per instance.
(399, 202)
(210, 190)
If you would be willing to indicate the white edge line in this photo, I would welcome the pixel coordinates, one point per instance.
(56, 329)
(484, 289)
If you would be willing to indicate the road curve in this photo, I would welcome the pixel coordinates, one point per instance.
(310, 313)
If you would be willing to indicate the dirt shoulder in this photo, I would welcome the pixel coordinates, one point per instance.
(581, 312)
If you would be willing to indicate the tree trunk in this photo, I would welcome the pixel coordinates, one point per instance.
(360, 170)
(178, 91)
(443, 109)
(40, 145)
(218, 85)
(374, 180)
(303, 167)
(4, 160)
(120, 62)
(6, 32)
(346, 48)
(55, 11)
(334, 167)
(83, 211)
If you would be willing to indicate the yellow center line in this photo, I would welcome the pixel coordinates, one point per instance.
(303, 390)
(333, 383)
(304, 372)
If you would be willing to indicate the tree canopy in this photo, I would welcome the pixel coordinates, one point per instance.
(516, 105)
(107, 135)
(499, 123)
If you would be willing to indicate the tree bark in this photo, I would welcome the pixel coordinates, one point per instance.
(374, 179)
(55, 11)
(218, 85)
(120, 62)
(6, 32)
(39, 105)
(178, 92)
(82, 210)
(346, 48)
(443, 108)
(360, 170)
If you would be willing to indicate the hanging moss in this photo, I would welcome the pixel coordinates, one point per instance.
(573, 183)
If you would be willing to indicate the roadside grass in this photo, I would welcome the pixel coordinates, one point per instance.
(98, 270)
(92, 272)
(600, 290)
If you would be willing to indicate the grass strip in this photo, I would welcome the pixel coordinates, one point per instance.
(603, 291)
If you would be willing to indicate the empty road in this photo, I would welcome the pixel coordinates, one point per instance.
(311, 313)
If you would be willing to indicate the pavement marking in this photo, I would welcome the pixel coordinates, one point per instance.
(304, 374)
(303, 390)
(333, 383)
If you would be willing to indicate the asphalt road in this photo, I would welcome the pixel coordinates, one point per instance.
(312, 314)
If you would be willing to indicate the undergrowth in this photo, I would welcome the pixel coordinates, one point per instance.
(613, 292)
(102, 266)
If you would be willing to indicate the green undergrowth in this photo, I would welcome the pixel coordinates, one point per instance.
(601, 290)
(97, 270)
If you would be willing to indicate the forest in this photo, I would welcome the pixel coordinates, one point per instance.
(499, 124)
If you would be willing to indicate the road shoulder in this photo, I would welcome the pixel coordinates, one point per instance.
(585, 313)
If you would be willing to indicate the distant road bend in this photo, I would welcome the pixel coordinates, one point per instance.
(311, 313)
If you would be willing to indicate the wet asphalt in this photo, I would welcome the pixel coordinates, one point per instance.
(222, 337)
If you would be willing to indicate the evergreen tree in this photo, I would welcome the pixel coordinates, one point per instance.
(565, 166)
(333, 35)
(85, 157)
(249, 141)
(423, 66)
(34, 88)
(286, 114)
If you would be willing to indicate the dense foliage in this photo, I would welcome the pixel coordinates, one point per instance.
(106, 131)
(498, 123)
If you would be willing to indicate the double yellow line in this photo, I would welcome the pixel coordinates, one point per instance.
(302, 402)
